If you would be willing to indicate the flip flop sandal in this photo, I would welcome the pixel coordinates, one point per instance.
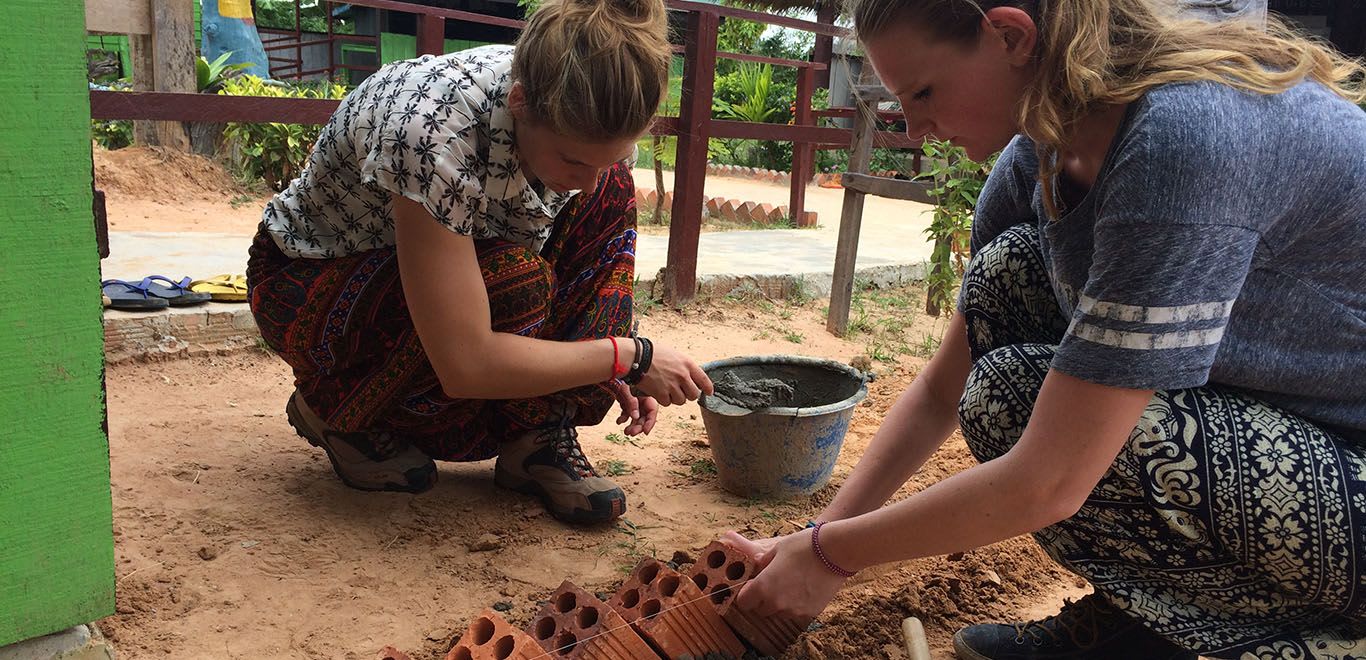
(130, 296)
(178, 294)
(223, 288)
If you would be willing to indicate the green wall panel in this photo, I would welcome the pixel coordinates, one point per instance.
(56, 529)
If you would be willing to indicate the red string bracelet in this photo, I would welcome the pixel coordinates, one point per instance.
(617, 370)
(820, 554)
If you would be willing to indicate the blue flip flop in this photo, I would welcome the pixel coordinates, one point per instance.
(177, 294)
(130, 296)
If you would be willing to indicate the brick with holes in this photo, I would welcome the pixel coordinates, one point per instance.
(719, 572)
(667, 609)
(489, 637)
(575, 624)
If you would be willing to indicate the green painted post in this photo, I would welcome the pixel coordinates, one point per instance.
(56, 515)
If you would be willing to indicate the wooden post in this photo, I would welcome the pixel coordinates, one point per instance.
(56, 513)
(690, 173)
(823, 52)
(851, 212)
(802, 153)
(431, 35)
(164, 61)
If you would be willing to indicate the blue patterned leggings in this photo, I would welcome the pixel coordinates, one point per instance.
(1227, 525)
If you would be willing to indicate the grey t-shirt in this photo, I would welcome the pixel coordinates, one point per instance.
(1224, 241)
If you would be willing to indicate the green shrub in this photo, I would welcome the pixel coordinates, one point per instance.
(113, 133)
(272, 152)
(957, 181)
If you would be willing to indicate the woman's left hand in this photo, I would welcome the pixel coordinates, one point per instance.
(792, 582)
(641, 411)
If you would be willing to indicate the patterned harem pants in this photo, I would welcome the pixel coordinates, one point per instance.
(343, 325)
(1229, 526)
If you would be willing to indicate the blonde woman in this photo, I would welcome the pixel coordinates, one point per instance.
(451, 276)
(1159, 353)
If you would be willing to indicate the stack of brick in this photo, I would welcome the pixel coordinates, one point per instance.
(575, 624)
(669, 610)
(657, 612)
(732, 210)
(720, 572)
(489, 637)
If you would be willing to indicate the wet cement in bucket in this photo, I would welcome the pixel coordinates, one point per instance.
(745, 388)
(754, 394)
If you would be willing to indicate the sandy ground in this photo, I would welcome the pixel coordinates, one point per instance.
(234, 539)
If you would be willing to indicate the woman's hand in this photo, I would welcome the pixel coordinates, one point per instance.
(792, 582)
(642, 411)
(673, 378)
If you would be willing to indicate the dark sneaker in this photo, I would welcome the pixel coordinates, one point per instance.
(1089, 629)
(364, 460)
(549, 463)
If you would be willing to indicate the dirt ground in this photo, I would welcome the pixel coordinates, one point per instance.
(234, 539)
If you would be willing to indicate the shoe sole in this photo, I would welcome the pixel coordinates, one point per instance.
(296, 420)
(573, 515)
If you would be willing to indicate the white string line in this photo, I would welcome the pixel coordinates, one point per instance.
(628, 624)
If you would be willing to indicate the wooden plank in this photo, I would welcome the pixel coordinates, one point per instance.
(140, 54)
(118, 16)
(915, 191)
(209, 107)
(690, 172)
(56, 512)
(775, 61)
(759, 17)
(431, 35)
(809, 134)
(851, 221)
(802, 153)
(173, 59)
(453, 14)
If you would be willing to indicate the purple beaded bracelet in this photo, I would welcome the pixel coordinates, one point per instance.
(816, 545)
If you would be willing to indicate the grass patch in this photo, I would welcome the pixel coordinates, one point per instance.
(703, 467)
(615, 468)
(619, 439)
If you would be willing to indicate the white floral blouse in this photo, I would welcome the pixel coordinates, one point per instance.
(436, 130)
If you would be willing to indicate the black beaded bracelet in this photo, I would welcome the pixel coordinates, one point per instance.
(644, 357)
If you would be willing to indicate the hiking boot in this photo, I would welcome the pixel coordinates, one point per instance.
(1089, 629)
(364, 460)
(548, 462)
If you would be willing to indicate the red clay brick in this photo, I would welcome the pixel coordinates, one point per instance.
(489, 637)
(391, 653)
(761, 213)
(670, 611)
(575, 624)
(808, 219)
(728, 209)
(719, 572)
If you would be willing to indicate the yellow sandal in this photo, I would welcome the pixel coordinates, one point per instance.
(223, 288)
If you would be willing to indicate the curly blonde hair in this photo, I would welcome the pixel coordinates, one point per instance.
(1093, 53)
(594, 69)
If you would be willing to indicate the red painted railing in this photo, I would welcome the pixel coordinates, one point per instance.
(693, 127)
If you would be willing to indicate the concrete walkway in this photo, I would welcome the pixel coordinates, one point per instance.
(891, 247)
(892, 234)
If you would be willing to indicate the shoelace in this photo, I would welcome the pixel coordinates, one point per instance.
(1081, 616)
(565, 440)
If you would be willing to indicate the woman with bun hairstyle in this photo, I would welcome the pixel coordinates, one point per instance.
(450, 277)
(1159, 349)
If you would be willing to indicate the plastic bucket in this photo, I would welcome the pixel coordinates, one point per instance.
(780, 452)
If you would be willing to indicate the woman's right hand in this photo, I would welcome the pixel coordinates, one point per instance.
(673, 378)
